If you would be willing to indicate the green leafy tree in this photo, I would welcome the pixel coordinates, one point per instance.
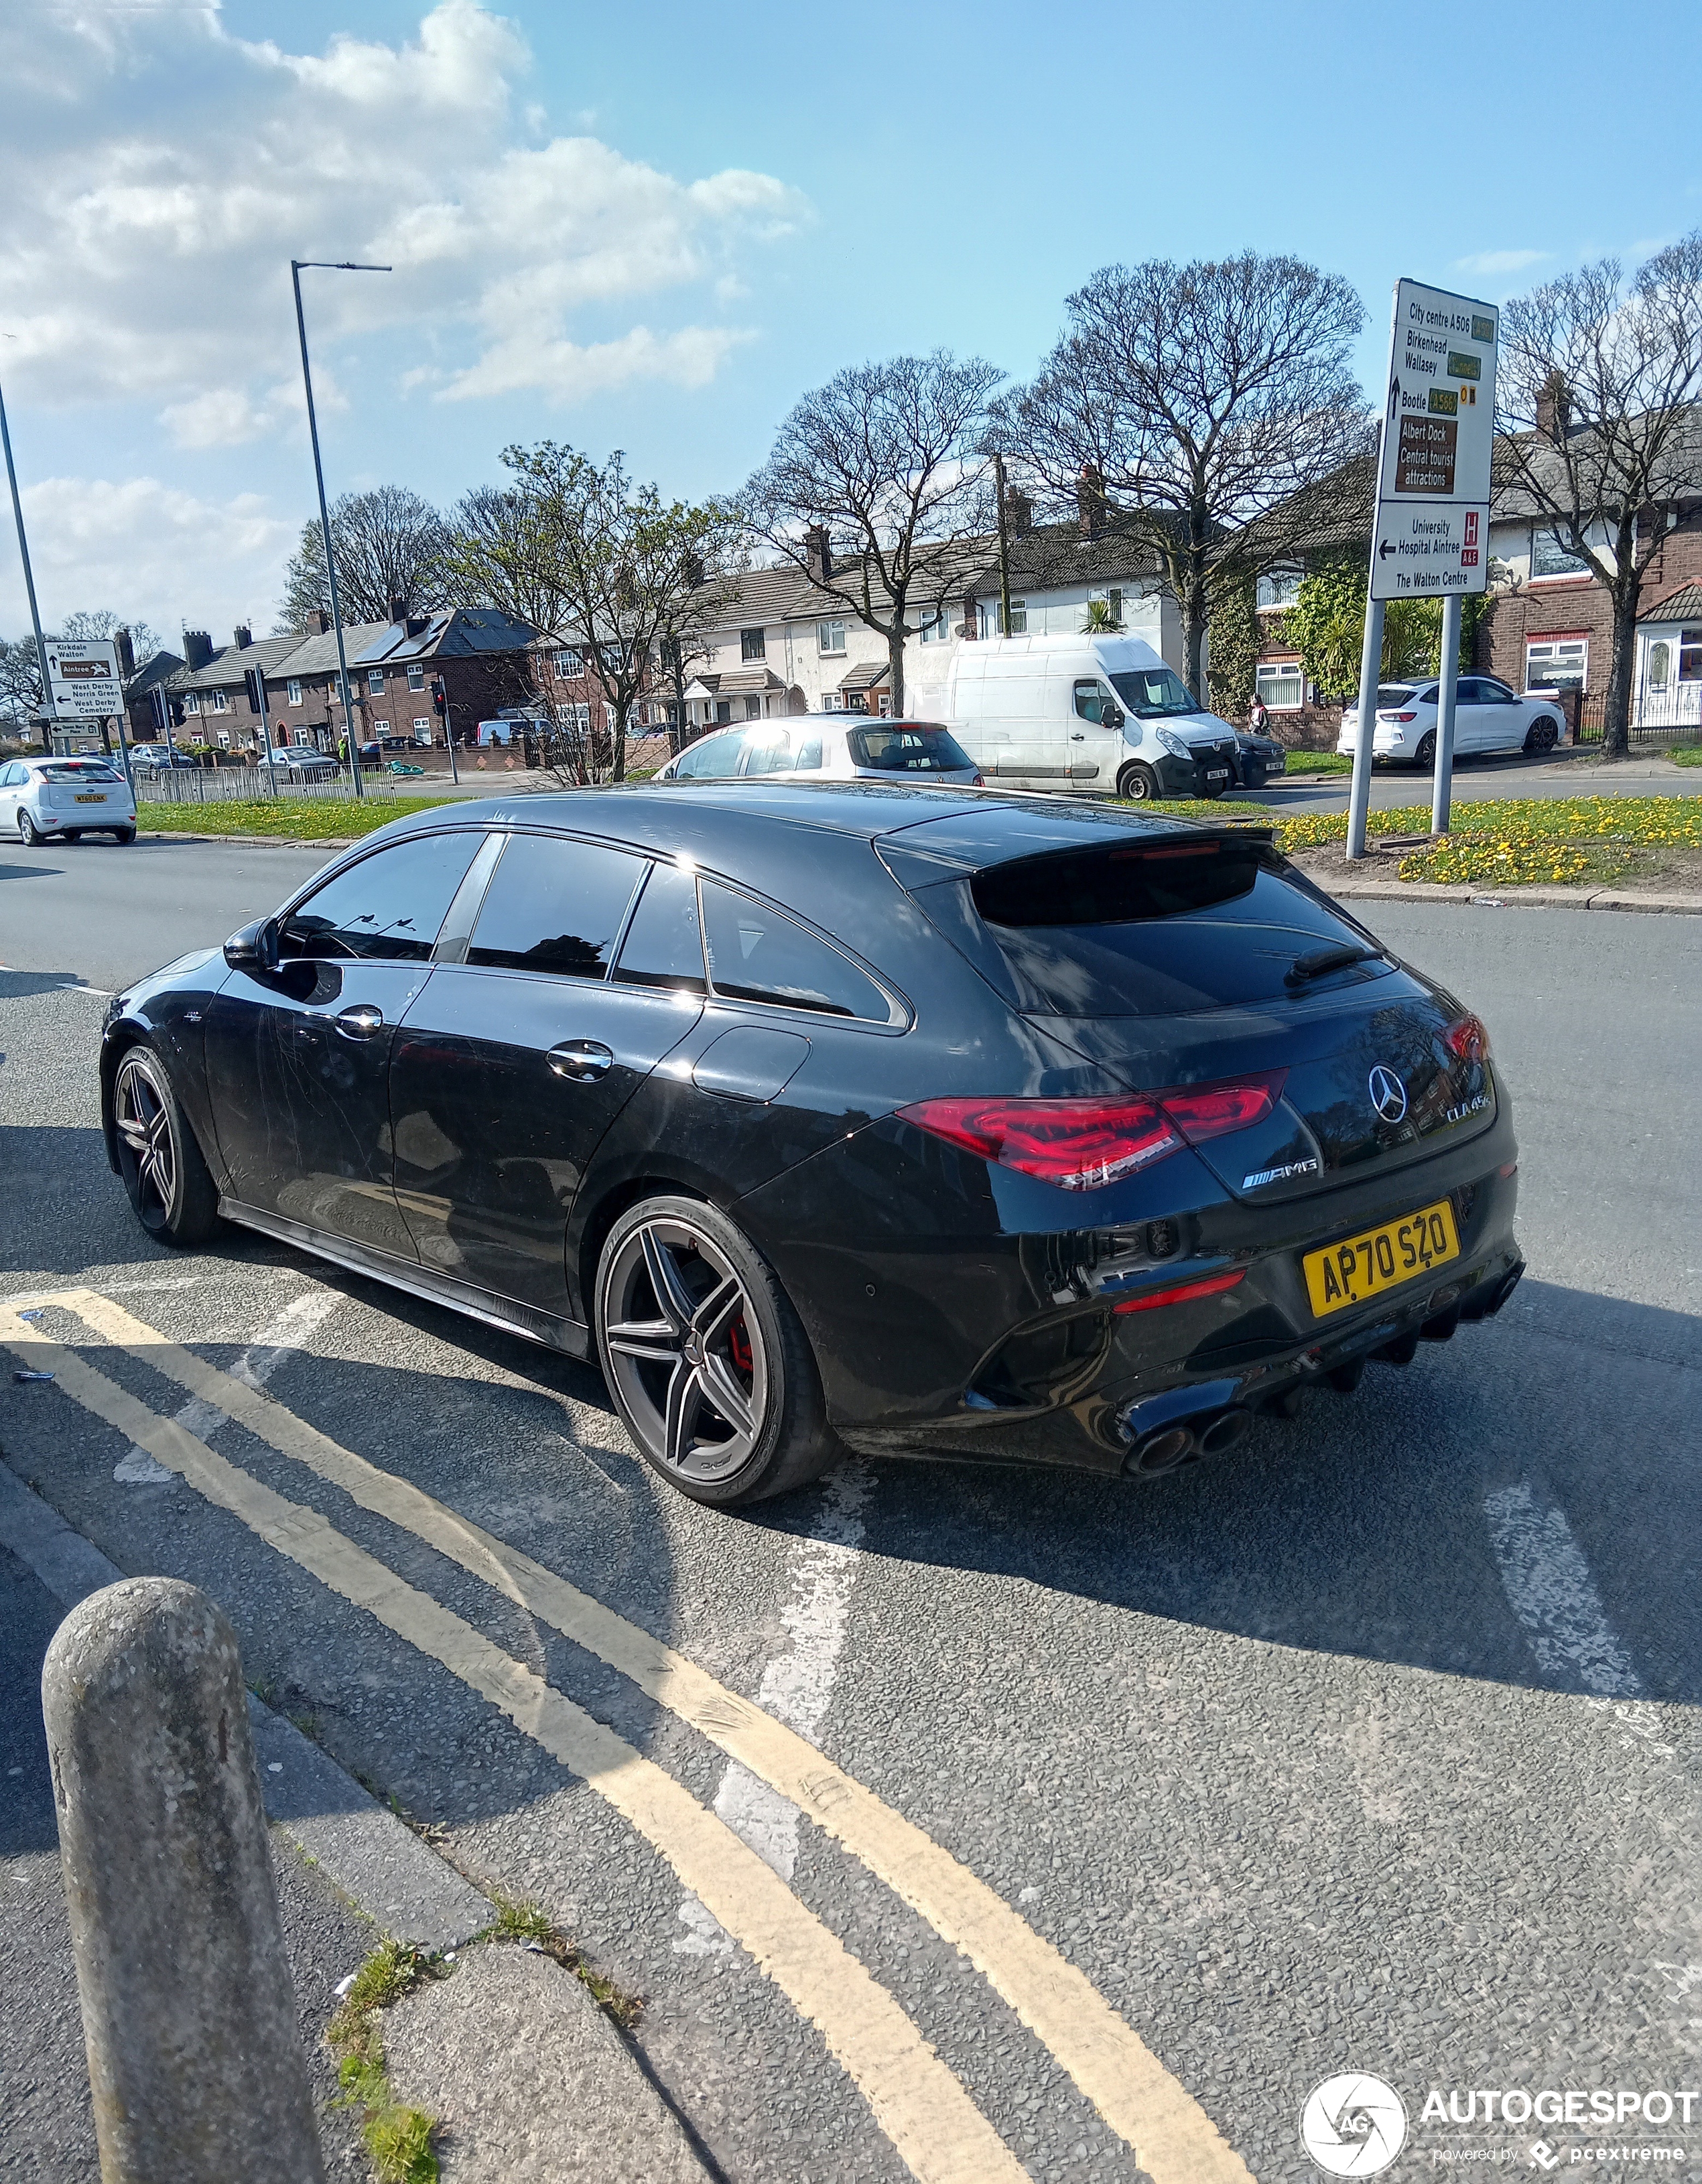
(1231, 672)
(1326, 626)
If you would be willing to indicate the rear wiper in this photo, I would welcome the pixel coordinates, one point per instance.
(1328, 959)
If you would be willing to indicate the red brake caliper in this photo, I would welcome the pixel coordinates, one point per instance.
(739, 1342)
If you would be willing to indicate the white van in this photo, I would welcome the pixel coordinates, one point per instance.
(1095, 715)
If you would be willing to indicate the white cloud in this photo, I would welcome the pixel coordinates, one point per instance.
(1493, 262)
(145, 548)
(147, 258)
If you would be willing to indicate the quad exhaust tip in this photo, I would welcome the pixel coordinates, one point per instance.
(1184, 1440)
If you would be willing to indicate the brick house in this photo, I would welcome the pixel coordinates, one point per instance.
(483, 658)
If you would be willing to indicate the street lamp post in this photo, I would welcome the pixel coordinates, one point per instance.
(52, 710)
(297, 266)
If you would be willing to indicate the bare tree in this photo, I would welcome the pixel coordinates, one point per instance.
(886, 459)
(584, 553)
(1191, 401)
(1597, 389)
(22, 691)
(389, 544)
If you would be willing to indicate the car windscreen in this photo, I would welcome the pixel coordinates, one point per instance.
(78, 770)
(1164, 929)
(903, 749)
(1152, 693)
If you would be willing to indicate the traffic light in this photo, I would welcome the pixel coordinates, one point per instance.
(440, 697)
(255, 684)
(176, 712)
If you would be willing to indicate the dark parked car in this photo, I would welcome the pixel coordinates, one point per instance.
(1257, 758)
(890, 1118)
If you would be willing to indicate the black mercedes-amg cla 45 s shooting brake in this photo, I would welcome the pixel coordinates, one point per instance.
(902, 1120)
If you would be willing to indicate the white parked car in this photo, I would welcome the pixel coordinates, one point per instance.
(68, 796)
(1487, 717)
(829, 747)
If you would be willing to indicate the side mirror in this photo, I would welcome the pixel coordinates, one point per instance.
(1112, 717)
(255, 947)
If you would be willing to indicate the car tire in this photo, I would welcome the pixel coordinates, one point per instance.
(688, 1314)
(170, 1189)
(1139, 785)
(29, 834)
(1542, 736)
(124, 836)
(1424, 758)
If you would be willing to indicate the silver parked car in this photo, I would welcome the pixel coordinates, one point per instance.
(67, 796)
(829, 747)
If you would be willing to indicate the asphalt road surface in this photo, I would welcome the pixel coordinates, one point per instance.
(1479, 780)
(1373, 1748)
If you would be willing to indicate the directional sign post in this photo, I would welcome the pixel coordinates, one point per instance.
(1430, 535)
(82, 674)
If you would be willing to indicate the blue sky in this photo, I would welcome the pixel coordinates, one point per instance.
(654, 226)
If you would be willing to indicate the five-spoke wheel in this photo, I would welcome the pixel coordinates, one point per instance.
(705, 1355)
(173, 1194)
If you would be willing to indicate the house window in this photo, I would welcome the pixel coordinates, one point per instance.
(416, 678)
(936, 625)
(1113, 601)
(293, 689)
(221, 703)
(1279, 587)
(1282, 685)
(191, 701)
(422, 728)
(830, 637)
(568, 665)
(1557, 664)
(1019, 619)
(1548, 558)
(752, 644)
(1690, 656)
(375, 681)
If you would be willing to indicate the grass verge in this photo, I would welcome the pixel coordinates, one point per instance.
(1305, 761)
(399, 2138)
(1514, 842)
(301, 818)
(1686, 753)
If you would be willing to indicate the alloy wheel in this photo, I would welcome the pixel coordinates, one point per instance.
(143, 1122)
(685, 1350)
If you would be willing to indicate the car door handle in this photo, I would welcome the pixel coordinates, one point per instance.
(1079, 736)
(580, 1059)
(360, 1021)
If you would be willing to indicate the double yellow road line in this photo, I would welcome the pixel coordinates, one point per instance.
(914, 2096)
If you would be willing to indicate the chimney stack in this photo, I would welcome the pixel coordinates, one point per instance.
(198, 648)
(1089, 501)
(818, 557)
(1553, 411)
(127, 652)
(245, 635)
(398, 609)
(321, 622)
(1019, 512)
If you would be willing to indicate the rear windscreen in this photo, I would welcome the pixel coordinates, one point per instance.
(907, 750)
(1151, 931)
(76, 770)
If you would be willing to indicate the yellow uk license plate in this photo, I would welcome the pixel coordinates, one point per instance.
(1362, 1267)
(91, 796)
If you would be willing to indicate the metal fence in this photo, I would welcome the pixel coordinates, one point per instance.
(1658, 719)
(249, 784)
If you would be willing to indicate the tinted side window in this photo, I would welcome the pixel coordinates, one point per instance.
(664, 945)
(554, 906)
(809, 754)
(388, 908)
(757, 954)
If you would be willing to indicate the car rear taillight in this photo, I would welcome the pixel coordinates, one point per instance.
(979, 782)
(1211, 1286)
(1468, 1040)
(1082, 1145)
(1398, 716)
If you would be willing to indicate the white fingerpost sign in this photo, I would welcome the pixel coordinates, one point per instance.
(83, 674)
(1430, 531)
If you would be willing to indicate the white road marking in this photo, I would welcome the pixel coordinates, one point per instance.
(796, 1687)
(1549, 1588)
(285, 1332)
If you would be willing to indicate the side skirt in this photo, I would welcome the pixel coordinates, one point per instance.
(570, 1336)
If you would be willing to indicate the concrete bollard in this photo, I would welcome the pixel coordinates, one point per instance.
(188, 2010)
